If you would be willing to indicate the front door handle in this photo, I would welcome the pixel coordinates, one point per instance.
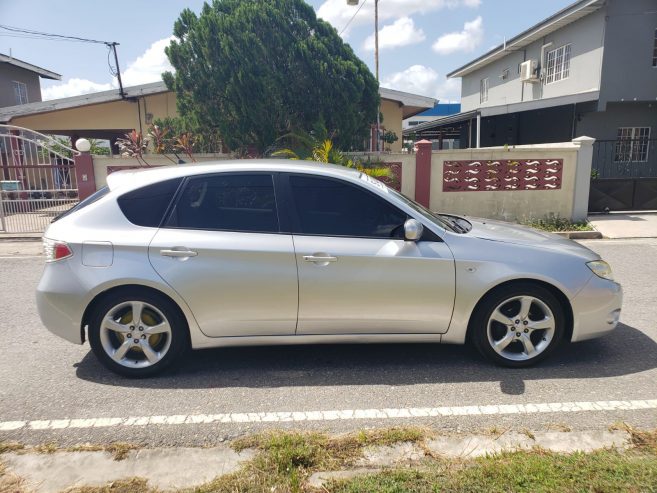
(178, 253)
(319, 259)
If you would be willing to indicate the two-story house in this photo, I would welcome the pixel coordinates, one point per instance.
(589, 69)
(19, 81)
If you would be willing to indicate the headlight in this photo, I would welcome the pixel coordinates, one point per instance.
(601, 269)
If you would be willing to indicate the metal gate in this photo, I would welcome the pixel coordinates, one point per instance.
(624, 175)
(37, 179)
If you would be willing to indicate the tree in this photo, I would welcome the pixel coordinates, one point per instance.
(254, 70)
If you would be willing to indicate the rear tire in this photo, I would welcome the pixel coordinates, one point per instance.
(518, 325)
(137, 333)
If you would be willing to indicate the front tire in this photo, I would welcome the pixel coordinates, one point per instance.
(137, 333)
(518, 325)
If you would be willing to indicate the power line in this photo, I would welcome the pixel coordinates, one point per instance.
(19, 32)
(50, 35)
(353, 17)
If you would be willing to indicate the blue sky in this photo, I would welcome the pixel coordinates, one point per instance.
(421, 40)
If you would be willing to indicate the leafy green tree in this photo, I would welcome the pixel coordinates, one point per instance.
(257, 69)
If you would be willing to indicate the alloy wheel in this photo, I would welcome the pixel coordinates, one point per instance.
(521, 328)
(135, 334)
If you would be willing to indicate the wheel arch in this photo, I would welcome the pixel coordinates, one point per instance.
(128, 287)
(558, 293)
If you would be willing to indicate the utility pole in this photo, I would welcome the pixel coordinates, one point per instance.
(113, 46)
(376, 62)
(376, 58)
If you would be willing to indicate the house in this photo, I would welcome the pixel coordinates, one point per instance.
(107, 115)
(20, 81)
(588, 70)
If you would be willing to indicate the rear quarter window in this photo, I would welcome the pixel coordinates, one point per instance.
(146, 206)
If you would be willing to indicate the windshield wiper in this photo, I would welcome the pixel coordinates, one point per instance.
(454, 223)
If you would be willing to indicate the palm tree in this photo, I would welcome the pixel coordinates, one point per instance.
(318, 146)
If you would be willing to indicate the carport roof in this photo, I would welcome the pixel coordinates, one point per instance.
(505, 109)
(6, 114)
(412, 104)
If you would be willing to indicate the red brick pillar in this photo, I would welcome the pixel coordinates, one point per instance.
(84, 173)
(423, 172)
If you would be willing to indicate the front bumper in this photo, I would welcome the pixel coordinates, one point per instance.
(596, 309)
(60, 301)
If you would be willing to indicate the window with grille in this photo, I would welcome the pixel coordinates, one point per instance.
(483, 90)
(632, 145)
(20, 92)
(557, 64)
(654, 51)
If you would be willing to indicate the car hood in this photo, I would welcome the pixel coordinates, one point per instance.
(492, 230)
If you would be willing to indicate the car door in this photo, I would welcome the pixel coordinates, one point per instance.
(221, 249)
(357, 275)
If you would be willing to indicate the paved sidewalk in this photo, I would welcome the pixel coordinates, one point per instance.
(22, 248)
(617, 225)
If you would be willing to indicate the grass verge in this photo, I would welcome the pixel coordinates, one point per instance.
(285, 461)
(555, 224)
(119, 450)
(530, 472)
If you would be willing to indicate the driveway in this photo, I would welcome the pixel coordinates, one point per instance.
(51, 390)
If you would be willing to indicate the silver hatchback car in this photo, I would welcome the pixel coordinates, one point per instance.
(286, 252)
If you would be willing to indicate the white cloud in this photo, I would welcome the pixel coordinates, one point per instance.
(149, 66)
(73, 87)
(338, 13)
(466, 40)
(402, 32)
(425, 81)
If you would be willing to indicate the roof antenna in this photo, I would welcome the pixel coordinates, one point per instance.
(504, 43)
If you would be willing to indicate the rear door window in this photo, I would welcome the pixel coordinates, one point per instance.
(146, 206)
(227, 202)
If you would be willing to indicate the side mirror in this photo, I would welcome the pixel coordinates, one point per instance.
(413, 230)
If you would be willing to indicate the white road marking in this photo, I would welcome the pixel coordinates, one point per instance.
(345, 414)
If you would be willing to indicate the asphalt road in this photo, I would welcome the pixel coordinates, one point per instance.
(45, 378)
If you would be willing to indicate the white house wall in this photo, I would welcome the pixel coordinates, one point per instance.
(586, 37)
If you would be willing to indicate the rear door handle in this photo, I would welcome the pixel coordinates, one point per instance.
(313, 258)
(178, 253)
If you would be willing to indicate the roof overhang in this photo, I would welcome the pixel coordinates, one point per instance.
(562, 18)
(411, 104)
(6, 114)
(505, 109)
(42, 72)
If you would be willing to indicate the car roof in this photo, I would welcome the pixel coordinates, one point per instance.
(136, 178)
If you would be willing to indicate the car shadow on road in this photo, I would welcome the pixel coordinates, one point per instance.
(624, 351)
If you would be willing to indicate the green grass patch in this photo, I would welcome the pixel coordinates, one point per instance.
(555, 223)
(519, 472)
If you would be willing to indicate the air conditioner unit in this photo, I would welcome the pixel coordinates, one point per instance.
(529, 71)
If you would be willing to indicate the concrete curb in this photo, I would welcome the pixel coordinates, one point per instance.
(21, 237)
(580, 235)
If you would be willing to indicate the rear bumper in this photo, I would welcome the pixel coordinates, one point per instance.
(60, 302)
(596, 309)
